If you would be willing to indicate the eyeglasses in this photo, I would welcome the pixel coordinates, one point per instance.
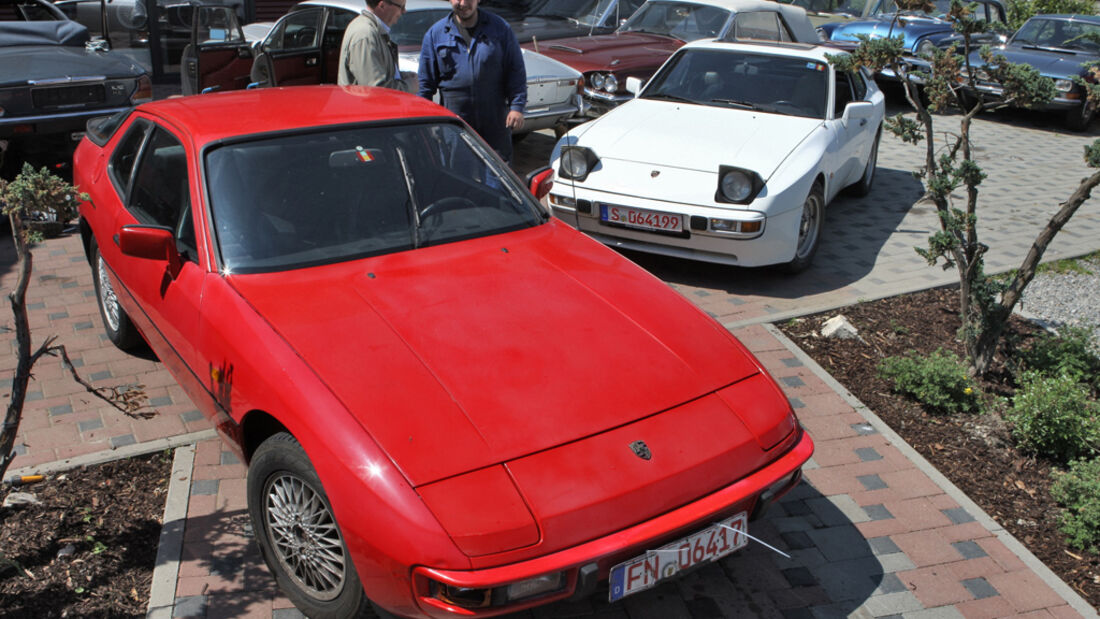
(400, 6)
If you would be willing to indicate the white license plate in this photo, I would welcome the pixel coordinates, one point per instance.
(640, 218)
(645, 571)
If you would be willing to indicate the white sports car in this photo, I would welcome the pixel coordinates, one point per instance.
(729, 154)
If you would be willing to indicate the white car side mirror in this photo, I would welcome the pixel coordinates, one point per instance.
(634, 85)
(859, 110)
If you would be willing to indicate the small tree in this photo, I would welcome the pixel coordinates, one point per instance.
(984, 303)
(38, 196)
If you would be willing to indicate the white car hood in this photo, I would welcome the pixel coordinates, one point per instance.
(695, 137)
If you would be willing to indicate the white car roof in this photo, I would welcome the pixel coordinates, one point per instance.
(358, 5)
(794, 50)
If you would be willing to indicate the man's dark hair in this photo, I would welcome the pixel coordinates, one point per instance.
(373, 3)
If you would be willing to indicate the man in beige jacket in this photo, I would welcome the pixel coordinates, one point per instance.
(367, 55)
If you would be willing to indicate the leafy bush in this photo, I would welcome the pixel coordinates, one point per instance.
(1053, 416)
(938, 381)
(1079, 491)
(1070, 352)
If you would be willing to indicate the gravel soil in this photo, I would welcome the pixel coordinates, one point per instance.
(88, 547)
(974, 451)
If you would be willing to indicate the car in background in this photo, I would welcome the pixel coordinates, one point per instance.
(52, 81)
(823, 12)
(922, 32)
(1058, 47)
(658, 29)
(319, 284)
(545, 20)
(729, 154)
(303, 47)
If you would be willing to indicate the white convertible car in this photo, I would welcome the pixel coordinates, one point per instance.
(729, 154)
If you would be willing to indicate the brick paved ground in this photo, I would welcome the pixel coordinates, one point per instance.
(870, 533)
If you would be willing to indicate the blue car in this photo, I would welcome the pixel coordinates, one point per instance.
(922, 32)
(1058, 46)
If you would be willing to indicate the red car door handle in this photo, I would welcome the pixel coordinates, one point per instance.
(311, 62)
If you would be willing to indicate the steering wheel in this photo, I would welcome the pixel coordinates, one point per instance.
(442, 205)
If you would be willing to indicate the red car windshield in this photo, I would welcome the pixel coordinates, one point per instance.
(682, 20)
(338, 194)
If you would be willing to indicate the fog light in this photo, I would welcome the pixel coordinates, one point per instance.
(547, 583)
(464, 597)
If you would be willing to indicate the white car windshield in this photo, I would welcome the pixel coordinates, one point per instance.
(357, 192)
(759, 82)
(682, 20)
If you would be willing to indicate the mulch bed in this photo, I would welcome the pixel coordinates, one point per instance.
(88, 548)
(974, 451)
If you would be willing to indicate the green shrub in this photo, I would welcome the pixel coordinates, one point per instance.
(939, 381)
(1070, 352)
(1053, 416)
(1078, 490)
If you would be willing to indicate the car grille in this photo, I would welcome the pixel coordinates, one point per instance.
(64, 96)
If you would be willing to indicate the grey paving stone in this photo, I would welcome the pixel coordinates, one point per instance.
(837, 510)
(122, 441)
(890, 583)
(797, 523)
(811, 465)
(796, 508)
(191, 416)
(83, 326)
(792, 362)
(840, 543)
(799, 577)
(59, 315)
(797, 540)
(792, 381)
(872, 482)
(62, 409)
(796, 403)
(163, 400)
(891, 604)
(20, 449)
(103, 375)
(89, 425)
(980, 588)
(868, 454)
(204, 486)
(896, 562)
(883, 545)
(809, 557)
(33, 396)
(190, 606)
(849, 580)
(287, 613)
(228, 457)
(969, 549)
(878, 512)
(958, 515)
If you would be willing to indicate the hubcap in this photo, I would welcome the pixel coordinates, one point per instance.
(304, 536)
(810, 225)
(107, 298)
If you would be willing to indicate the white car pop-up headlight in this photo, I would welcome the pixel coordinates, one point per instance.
(737, 186)
(576, 162)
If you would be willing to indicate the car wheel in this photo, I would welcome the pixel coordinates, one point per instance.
(1079, 118)
(116, 323)
(298, 535)
(261, 73)
(809, 230)
(862, 187)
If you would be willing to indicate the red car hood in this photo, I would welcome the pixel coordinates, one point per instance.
(630, 53)
(463, 355)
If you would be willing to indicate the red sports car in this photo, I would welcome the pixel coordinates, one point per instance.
(450, 403)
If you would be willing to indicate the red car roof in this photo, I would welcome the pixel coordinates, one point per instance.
(215, 116)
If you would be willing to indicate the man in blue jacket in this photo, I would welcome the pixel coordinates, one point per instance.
(472, 58)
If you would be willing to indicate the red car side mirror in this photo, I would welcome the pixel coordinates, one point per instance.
(540, 182)
(151, 243)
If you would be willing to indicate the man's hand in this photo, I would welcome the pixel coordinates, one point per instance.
(514, 121)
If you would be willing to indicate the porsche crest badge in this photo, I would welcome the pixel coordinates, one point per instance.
(641, 450)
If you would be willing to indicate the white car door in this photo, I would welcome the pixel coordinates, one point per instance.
(853, 136)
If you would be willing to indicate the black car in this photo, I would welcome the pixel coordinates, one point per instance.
(1059, 47)
(53, 79)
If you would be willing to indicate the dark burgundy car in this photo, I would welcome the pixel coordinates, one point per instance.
(658, 29)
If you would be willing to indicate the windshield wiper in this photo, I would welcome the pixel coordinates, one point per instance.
(744, 105)
(1049, 48)
(413, 208)
(664, 96)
